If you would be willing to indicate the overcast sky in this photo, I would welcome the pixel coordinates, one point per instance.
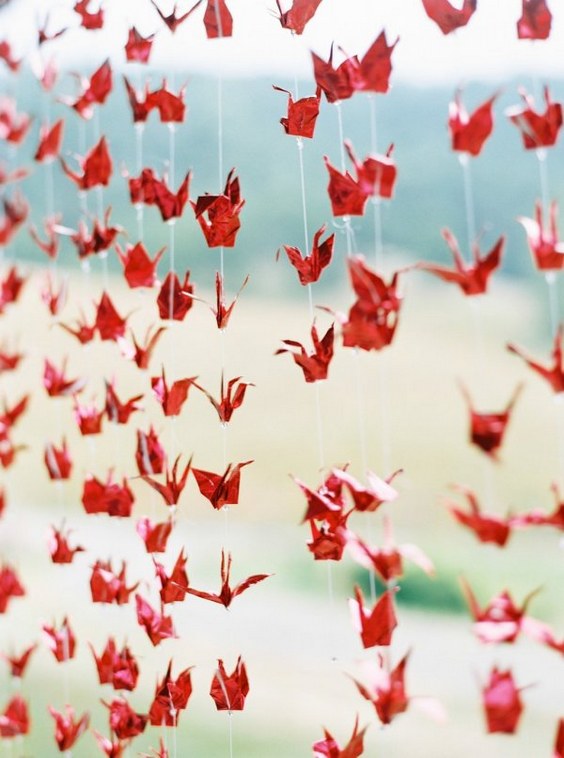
(487, 48)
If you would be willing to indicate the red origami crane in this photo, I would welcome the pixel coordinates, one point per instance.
(220, 489)
(329, 747)
(10, 416)
(370, 74)
(537, 517)
(6, 176)
(330, 537)
(448, 18)
(9, 361)
(97, 241)
(543, 633)
(109, 323)
(230, 398)
(375, 626)
(118, 668)
(155, 536)
(486, 526)
(314, 365)
(58, 461)
(171, 107)
(387, 561)
(19, 663)
(171, 398)
(54, 299)
(227, 594)
(326, 501)
(488, 429)
(158, 626)
(173, 586)
(139, 269)
(8, 451)
(10, 287)
(59, 547)
(171, 696)
(149, 455)
(218, 20)
(149, 189)
(14, 721)
(16, 211)
(50, 140)
(112, 748)
(375, 67)
(296, 18)
(222, 311)
(535, 21)
(139, 101)
(172, 489)
(116, 411)
(501, 620)
(537, 129)
(376, 175)
(46, 73)
(61, 642)
(7, 56)
(51, 245)
(553, 374)
(373, 318)
(502, 703)
(109, 497)
(387, 690)
(125, 723)
(108, 587)
(96, 167)
(368, 498)
(469, 133)
(546, 248)
(88, 19)
(141, 354)
(173, 21)
(229, 691)
(218, 215)
(88, 418)
(473, 279)
(44, 36)
(302, 114)
(57, 384)
(311, 266)
(10, 586)
(345, 193)
(137, 47)
(174, 299)
(13, 125)
(67, 730)
(559, 740)
(95, 91)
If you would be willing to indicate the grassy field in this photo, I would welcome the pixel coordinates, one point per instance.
(294, 630)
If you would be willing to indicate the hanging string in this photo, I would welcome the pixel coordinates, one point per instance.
(139, 208)
(550, 276)
(376, 201)
(476, 308)
(222, 337)
(319, 418)
(351, 244)
(464, 160)
(230, 722)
